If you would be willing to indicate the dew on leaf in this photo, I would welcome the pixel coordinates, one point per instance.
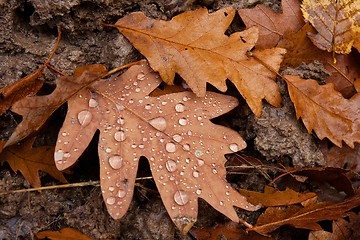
(198, 191)
(120, 136)
(93, 103)
(84, 117)
(120, 107)
(196, 174)
(179, 107)
(200, 162)
(108, 150)
(181, 197)
(58, 156)
(198, 153)
(182, 121)
(121, 121)
(140, 76)
(110, 200)
(148, 106)
(186, 147)
(177, 138)
(121, 193)
(171, 165)
(158, 123)
(170, 147)
(115, 161)
(234, 147)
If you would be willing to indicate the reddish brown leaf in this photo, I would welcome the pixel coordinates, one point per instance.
(184, 148)
(29, 161)
(273, 26)
(344, 157)
(36, 110)
(193, 44)
(325, 111)
(65, 233)
(337, 23)
(300, 217)
(272, 197)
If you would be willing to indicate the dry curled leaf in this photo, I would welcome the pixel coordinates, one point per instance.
(303, 217)
(173, 131)
(273, 26)
(337, 23)
(325, 111)
(35, 110)
(193, 44)
(65, 233)
(29, 161)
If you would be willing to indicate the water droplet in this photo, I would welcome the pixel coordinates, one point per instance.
(158, 123)
(121, 193)
(67, 155)
(186, 147)
(121, 121)
(214, 171)
(234, 147)
(177, 138)
(181, 197)
(198, 153)
(200, 162)
(148, 106)
(115, 161)
(179, 107)
(182, 121)
(93, 103)
(131, 101)
(221, 203)
(141, 146)
(140, 76)
(111, 189)
(120, 107)
(189, 133)
(227, 193)
(196, 174)
(137, 89)
(120, 136)
(185, 99)
(58, 156)
(110, 200)
(198, 191)
(171, 165)
(108, 150)
(84, 117)
(170, 147)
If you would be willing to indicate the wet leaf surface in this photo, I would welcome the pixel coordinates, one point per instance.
(65, 233)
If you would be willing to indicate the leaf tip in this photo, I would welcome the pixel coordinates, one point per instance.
(184, 223)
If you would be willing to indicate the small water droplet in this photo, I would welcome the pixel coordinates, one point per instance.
(200, 162)
(234, 147)
(186, 147)
(121, 121)
(67, 155)
(137, 89)
(179, 107)
(111, 189)
(84, 117)
(177, 138)
(227, 193)
(182, 121)
(120, 107)
(198, 191)
(185, 99)
(140, 76)
(131, 101)
(115, 161)
(196, 174)
(110, 200)
(198, 153)
(108, 150)
(181, 197)
(170, 147)
(148, 106)
(221, 203)
(214, 171)
(158, 123)
(120, 136)
(171, 165)
(141, 146)
(121, 193)
(93, 103)
(189, 133)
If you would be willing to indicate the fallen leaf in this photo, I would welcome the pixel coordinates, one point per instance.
(227, 231)
(35, 110)
(325, 110)
(337, 23)
(62, 234)
(300, 217)
(344, 157)
(193, 44)
(340, 231)
(273, 197)
(273, 26)
(185, 150)
(26, 86)
(29, 160)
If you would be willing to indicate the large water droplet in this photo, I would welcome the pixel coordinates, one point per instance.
(170, 147)
(93, 103)
(158, 123)
(171, 165)
(179, 107)
(234, 147)
(58, 156)
(177, 138)
(115, 161)
(84, 117)
(182, 121)
(181, 197)
(121, 193)
(110, 200)
(120, 136)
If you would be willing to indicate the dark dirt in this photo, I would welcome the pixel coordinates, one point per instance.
(27, 36)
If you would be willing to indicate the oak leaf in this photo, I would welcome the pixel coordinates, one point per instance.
(35, 110)
(273, 26)
(337, 23)
(300, 217)
(29, 160)
(193, 44)
(344, 157)
(65, 233)
(325, 110)
(272, 197)
(185, 150)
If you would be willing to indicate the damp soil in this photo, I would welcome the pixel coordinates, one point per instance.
(28, 33)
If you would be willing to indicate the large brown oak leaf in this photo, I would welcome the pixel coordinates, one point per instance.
(193, 44)
(173, 131)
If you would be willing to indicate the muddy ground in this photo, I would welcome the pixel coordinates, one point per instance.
(27, 36)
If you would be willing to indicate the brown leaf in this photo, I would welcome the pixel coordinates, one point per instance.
(272, 197)
(193, 44)
(36, 110)
(65, 233)
(340, 231)
(29, 161)
(300, 217)
(273, 26)
(26, 86)
(337, 23)
(185, 150)
(325, 110)
(344, 157)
